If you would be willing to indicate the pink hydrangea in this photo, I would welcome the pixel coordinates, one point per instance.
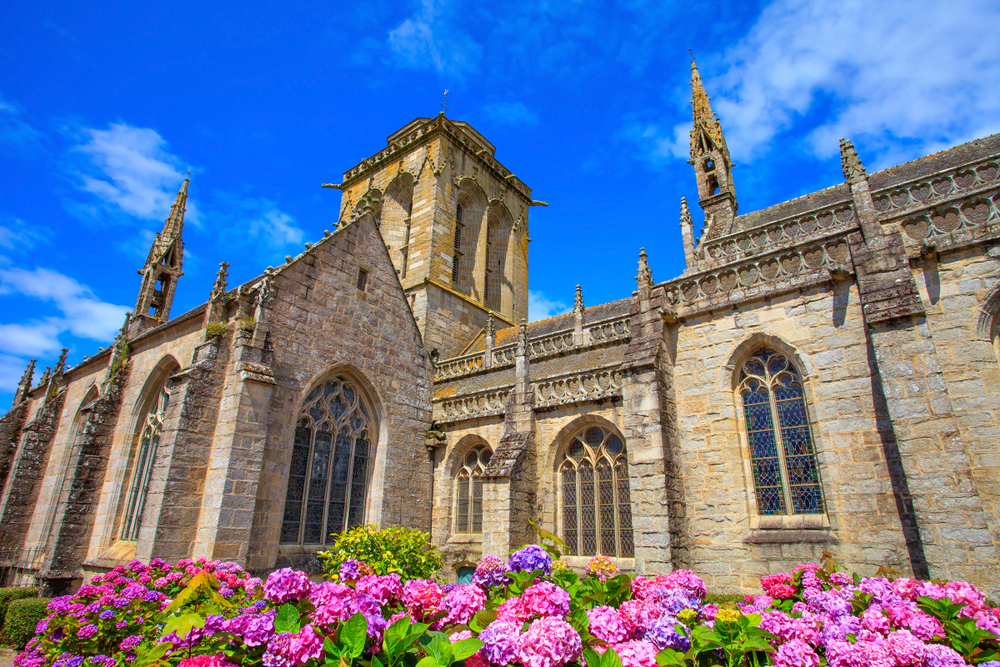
(685, 579)
(755, 604)
(512, 611)
(545, 599)
(607, 625)
(638, 616)
(874, 620)
(385, 589)
(422, 597)
(905, 649)
(206, 661)
(782, 591)
(549, 642)
(779, 624)
(333, 602)
(795, 653)
(464, 602)
(290, 649)
(637, 653)
(925, 626)
(286, 585)
(772, 580)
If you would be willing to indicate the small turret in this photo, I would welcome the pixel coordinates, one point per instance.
(24, 386)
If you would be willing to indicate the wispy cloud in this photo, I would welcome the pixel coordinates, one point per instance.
(16, 234)
(130, 169)
(915, 74)
(510, 113)
(16, 132)
(430, 39)
(83, 314)
(275, 227)
(541, 307)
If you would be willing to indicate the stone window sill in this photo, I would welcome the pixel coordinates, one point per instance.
(296, 549)
(580, 562)
(791, 529)
(466, 538)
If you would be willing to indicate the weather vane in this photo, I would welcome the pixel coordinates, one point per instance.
(444, 104)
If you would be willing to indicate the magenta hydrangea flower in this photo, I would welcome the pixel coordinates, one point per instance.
(530, 558)
(925, 626)
(795, 653)
(293, 648)
(206, 661)
(464, 602)
(638, 616)
(500, 642)
(938, 655)
(685, 579)
(385, 589)
(511, 610)
(349, 570)
(905, 649)
(254, 629)
(422, 597)
(545, 599)
(637, 654)
(88, 631)
(131, 643)
(607, 625)
(549, 642)
(286, 585)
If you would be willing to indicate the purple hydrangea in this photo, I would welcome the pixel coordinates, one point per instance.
(491, 571)
(795, 653)
(88, 631)
(500, 641)
(937, 655)
(530, 558)
(664, 634)
(349, 570)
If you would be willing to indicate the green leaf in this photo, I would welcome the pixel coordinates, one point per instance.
(611, 659)
(591, 657)
(438, 646)
(183, 624)
(354, 633)
(287, 619)
(668, 657)
(376, 662)
(479, 622)
(465, 648)
(429, 662)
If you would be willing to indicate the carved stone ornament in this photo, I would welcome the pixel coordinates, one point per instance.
(854, 171)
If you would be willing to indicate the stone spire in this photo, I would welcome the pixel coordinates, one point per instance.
(645, 276)
(854, 171)
(491, 329)
(712, 164)
(687, 234)
(24, 386)
(163, 268)
(56, 379)
(578, 306)
(216, 309)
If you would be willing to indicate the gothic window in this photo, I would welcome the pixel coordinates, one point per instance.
(498, 292)
(457, 246)
(397, 210)
(469, 490)
(142, 464)
(597, 513)
(328, 480)
(782, 455)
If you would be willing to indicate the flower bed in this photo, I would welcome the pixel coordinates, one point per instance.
(528, 611)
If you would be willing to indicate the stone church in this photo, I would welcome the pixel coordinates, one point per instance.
(822, 377)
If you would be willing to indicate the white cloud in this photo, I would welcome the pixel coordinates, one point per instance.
(16, 234)
(428, 39)
(510, 113)
(541, 307)
(276, 227)
(16, 132)
(131, 169)
(83, 314)
(915, 73)
(11, 370)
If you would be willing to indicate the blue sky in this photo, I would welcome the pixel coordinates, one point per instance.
(105, 106)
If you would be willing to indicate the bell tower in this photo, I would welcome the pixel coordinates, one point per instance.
(712, 166)
(455, 222)
(162, 269)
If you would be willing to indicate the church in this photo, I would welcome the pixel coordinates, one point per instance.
(823, 377)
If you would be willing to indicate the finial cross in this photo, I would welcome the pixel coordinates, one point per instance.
(444, 104)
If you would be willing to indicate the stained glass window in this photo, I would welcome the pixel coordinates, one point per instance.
(782, 456)
(597, 511)
(328, 478)
(142, 465)
(469, 490)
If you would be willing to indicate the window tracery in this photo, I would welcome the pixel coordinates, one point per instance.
(782, 455)
(469, 490)
(142, 464)
(596, 507)
(328, 478)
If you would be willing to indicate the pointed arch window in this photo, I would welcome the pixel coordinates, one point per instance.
(328, 480)
(469, 490)
(782, 454)
(142, 464)
(596, 508)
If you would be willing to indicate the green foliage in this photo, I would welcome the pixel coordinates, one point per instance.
(405, 551)
(975, 645)
(216, 330)
(247, 323)
(10, 593)
(735, 635)
(400, 638)
(22, 616)
(609, 658)
(548, 541)
(442, 653)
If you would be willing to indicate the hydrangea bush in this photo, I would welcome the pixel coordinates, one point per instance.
(526, 611)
